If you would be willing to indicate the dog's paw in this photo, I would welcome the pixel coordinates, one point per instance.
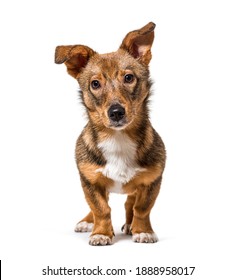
(83, 227)
(126, 228)
(144, 237)
(100, 239)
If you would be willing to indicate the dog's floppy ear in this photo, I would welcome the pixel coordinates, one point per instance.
(138, 43)
(75, 58)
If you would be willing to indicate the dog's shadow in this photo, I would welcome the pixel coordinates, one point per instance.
(120, 236)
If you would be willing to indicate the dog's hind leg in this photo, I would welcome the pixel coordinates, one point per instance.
(126, 228)
(86, 224)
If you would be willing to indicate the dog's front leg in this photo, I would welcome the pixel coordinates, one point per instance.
(97, 199)
(141, 228)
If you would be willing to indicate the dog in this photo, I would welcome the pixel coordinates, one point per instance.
(118, 151)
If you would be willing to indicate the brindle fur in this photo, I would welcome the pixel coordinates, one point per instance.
(85, 65)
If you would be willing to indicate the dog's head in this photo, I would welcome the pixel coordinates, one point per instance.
(114, 86)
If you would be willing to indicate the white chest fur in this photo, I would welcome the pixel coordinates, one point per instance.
(119, 152)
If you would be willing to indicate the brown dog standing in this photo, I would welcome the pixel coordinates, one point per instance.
(118, 150)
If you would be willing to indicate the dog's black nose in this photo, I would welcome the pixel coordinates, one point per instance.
(116, 112)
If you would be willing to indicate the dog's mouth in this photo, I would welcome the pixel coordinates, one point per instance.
(118, 125)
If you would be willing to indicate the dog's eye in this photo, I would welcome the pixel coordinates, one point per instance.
(128, 78)
(95, 84)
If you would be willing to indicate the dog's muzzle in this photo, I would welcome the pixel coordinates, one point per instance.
(116, 114)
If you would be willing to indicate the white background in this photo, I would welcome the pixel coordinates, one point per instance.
(192, 107)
